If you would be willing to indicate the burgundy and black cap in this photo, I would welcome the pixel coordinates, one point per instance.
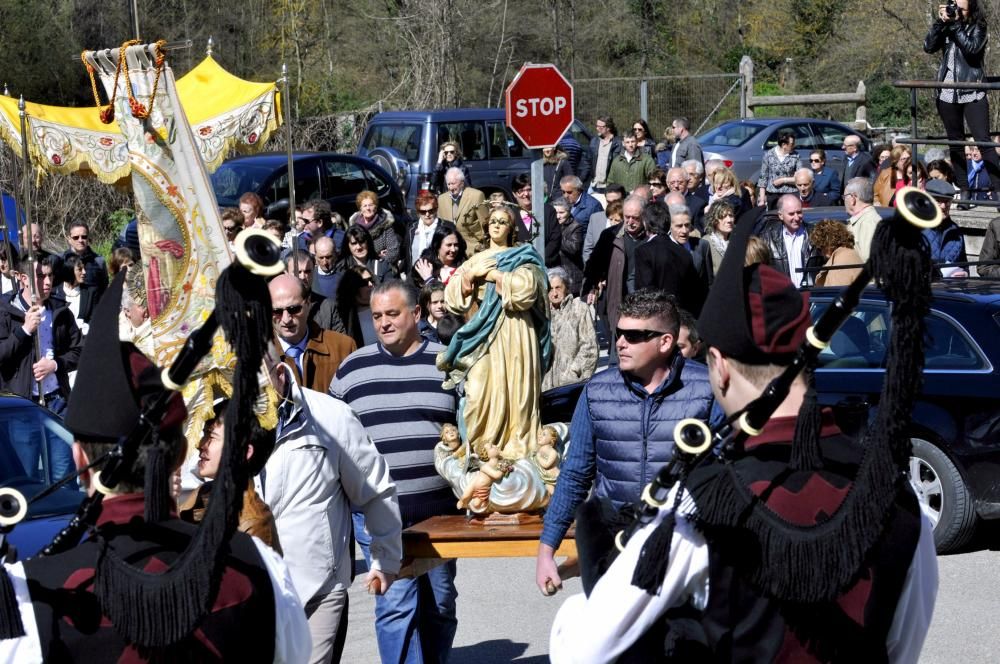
(753, 314)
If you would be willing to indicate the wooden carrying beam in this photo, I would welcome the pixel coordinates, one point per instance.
(445, 537)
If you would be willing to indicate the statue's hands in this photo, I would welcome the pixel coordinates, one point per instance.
(484, 269)
(377, 582)
(546, 572)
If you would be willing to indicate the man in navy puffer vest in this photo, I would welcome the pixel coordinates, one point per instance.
(623, 426)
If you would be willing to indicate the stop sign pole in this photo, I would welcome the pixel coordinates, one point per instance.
(539, 110)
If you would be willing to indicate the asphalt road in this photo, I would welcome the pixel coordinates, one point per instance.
(503, 618)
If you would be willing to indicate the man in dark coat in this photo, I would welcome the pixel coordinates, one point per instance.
(59, 339)
(857, 162)
(663, 264)
(78, 238)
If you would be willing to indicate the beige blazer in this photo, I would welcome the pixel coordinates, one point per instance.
(469, 215)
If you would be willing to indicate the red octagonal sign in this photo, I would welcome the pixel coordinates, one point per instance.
(539, 105)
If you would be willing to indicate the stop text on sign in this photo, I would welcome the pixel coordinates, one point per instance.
(540, 106)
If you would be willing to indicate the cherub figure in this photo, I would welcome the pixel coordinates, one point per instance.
(451, 440)
(477, 491)
(546, 456)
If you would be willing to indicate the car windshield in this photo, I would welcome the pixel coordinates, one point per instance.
(730, 134)
(35, 451)
(231, 181)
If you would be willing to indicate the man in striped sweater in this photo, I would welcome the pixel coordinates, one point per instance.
(395, 388)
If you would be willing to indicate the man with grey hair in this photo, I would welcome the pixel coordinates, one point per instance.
(582, 205)
(857, 162)
(679, 182)
(858, 199)
(788, 241)
(611, 267)
(395, 388)
(808, 196)
(463, 206)
(696, 178)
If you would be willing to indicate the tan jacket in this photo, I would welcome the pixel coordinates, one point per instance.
(469, 215)
(840, 256)
(325, 350)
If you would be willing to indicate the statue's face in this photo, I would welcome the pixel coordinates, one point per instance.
(499, 228)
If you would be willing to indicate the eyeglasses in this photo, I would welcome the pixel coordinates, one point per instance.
(427, 213)
(657, 184)
(229, 229)
(293, 310)
(638, 129)
(815, 161)
(78, 237)
(637, 336)
(449, 152)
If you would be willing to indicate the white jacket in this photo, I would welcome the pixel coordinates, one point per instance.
(324, 464)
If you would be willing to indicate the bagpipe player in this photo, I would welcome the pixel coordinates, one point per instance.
(144, 585)
(799, 543)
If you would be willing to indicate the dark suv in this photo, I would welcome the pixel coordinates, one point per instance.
(406, 145)
(337, 178)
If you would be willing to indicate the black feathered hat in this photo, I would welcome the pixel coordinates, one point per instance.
(753, 313)
(114, 380)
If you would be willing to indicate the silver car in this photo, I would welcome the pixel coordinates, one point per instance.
(742, 143)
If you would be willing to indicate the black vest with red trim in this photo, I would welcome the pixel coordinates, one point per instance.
(72, 628)
(740, 624)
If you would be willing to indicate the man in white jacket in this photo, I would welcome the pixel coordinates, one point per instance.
(323, 464)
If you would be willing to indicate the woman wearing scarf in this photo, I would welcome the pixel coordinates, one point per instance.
(719, 221)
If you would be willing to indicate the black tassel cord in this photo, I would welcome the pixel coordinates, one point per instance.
(156, 610)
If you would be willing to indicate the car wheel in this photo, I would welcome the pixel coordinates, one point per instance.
(392, 162)
(940, 487)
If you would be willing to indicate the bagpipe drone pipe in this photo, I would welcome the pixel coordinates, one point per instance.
(900, 265)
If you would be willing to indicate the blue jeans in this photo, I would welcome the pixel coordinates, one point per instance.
(415, 621)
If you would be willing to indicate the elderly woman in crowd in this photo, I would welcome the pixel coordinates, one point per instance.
(825, 180)
(379, 224)
(571, 237)
(719, 222)
(836, 243)
(573, 337)
(777, 171)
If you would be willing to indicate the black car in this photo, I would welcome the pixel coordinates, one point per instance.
(955, 463)
(337, 178)
(35, 451)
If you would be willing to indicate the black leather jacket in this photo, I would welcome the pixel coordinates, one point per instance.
(970, 40)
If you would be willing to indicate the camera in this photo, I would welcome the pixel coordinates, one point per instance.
(951, 10)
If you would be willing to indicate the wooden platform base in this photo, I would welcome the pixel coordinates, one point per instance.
(440, 538)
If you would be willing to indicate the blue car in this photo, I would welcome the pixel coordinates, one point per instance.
(955, 463)
(35, 451)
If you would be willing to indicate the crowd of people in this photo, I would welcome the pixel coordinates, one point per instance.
(635, 236)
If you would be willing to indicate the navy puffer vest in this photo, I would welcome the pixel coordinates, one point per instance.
(634, 431)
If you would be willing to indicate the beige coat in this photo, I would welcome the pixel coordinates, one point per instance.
(469, 215)
(574, 343)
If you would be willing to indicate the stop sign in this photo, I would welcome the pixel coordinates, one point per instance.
(539, 105)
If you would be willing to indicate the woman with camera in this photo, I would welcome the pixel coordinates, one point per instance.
(960, 33)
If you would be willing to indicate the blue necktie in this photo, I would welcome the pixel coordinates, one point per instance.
(295, 353)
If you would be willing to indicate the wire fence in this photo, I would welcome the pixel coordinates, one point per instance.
(703, 99)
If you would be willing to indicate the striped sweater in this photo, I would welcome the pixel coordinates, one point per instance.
(401, 404)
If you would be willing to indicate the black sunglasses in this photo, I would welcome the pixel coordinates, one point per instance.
(637, 336)
(293, 310)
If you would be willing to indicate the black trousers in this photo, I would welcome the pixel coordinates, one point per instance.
(977, 116)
